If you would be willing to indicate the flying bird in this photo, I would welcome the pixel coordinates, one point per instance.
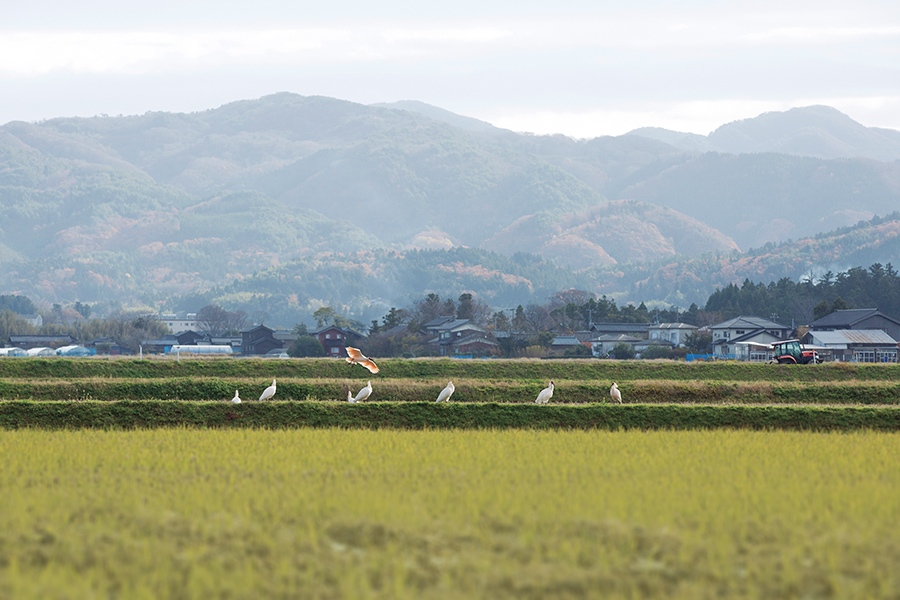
(236, 399)
(446, 393)
(545, 395)
(363, 393)
(355, 357)
(268, 392)
(615, 393)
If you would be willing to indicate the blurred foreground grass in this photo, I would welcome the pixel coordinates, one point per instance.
(183, 513)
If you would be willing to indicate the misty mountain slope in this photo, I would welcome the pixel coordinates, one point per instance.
(153, 254)
(142, 208)
(367, 283)
(71, 208)
(690, 142)
(426, 177)
(439, 114)
(761, 198)
(814, 131)
(616, 232)
(817, 131)
(684, 280)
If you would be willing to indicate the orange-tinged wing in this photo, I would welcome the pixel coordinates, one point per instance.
(370, 365)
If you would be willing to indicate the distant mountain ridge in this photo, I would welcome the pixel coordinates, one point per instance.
(150, 207)
(814, 131)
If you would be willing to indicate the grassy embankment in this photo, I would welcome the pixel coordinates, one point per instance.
(139, 389)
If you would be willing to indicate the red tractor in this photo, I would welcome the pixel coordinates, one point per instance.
(789, 352)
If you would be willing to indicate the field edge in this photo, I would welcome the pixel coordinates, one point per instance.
(128, 414)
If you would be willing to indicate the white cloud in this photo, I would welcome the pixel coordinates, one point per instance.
(821, 34)
(30, 54)
(38, 53)
(463, 35)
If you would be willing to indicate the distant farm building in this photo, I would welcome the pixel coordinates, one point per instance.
(866, 345)
(41, 341)
(336, 339)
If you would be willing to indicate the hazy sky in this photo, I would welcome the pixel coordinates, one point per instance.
(582, 68)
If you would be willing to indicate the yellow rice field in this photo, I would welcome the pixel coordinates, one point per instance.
(448, 514)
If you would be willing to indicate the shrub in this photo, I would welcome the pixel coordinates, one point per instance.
(306, 346)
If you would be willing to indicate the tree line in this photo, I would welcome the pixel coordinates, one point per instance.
(520, 330)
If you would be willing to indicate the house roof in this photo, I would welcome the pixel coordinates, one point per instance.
(852, 336)
(454, 324)
(565, 340)
(748, 323)
(344, 330)
(471, 338)
(617, 338)
(846, 318)
(257, 327)
(40, 338)
(437, 322)
(613, 327)
(673, 326)
(163, 341)
(749, 336)
(649, 343)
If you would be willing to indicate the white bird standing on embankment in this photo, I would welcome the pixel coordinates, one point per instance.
(445, 394)
(350, 397)
(236, 399)
(545, 395)
(268, 392)
(363, 393)
(615, 394)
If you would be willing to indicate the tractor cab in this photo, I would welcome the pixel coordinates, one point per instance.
(790, 352)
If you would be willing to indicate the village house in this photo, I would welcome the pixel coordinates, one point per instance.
(729, 336)
(336, 339)
(854, 345)
(674, 333)
(40, 341)
(260, 340)
(459, 337)
(636, 330)
(176, 323)
(603, 345)
(858, 319)
(561, 343)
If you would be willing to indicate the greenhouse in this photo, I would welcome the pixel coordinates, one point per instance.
(200, 349)
(75, 351)
(40, 352)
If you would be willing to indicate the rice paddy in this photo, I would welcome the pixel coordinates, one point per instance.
(327, 513)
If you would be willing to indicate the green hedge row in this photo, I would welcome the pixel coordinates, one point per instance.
(588, 369)
(468, 391)
(424, 415)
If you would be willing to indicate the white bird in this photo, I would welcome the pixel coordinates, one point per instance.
(446, 393)
(350, 397)
(236, 399)
(355, 357)
(545, 395)
(363, 393)
(268, 392)
(615, 393)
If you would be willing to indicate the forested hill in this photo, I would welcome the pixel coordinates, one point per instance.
(150, 208)
(356, 280)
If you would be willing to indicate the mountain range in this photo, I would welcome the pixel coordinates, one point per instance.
(166, 209)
